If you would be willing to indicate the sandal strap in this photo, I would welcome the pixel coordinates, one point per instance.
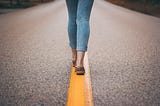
(80, 70)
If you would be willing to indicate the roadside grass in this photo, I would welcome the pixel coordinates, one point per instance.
(15, 6)
(146, 8)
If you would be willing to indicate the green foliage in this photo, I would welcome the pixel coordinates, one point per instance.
(16, 5)
(20, 3)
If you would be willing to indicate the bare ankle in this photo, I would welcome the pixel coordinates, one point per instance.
(74, 54)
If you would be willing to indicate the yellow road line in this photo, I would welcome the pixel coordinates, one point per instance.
(80, 90)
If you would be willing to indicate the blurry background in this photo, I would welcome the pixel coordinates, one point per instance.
(12, 5)
(151, 7)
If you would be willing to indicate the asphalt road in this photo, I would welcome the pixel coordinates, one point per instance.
(124, 55)
(35, 57)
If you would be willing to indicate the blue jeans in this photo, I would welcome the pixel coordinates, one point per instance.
(78, 23)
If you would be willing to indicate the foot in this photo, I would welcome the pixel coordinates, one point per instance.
(79, 70)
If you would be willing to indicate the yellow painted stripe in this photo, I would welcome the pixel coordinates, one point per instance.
(80, 90)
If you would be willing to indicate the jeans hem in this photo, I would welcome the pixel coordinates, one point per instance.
(81, 49)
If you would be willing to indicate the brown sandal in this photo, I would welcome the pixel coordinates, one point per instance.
(79, 70)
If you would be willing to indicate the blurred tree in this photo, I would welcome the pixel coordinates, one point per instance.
(147, 1)
(11, 2)
(154, 2)
(18, 2)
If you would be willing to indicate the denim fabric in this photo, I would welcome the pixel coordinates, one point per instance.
(78, 23)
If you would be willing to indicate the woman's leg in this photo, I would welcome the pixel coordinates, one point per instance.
(72, 26)
(74, 56)
(80, 57)
(83, 28)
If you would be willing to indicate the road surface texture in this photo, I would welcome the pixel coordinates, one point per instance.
(35, 57)
(124, 56)
(3, 11)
